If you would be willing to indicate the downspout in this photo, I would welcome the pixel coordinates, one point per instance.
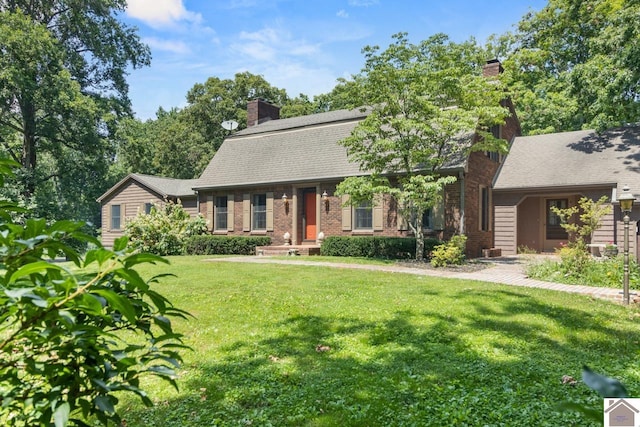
(462, 220)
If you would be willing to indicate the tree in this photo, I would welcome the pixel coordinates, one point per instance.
(426, 103)
(135, 147)
(582, 220)
(214, 101)
(575, 65)
(62, 78)
(73, 338)
(300, 106)
(340, 97)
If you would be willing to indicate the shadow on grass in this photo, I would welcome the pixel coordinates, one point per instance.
(498, 362)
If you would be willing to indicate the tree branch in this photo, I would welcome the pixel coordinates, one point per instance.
(10, 150)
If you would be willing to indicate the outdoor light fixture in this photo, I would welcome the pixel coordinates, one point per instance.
(285, 200)
(626, 200)
(325, 199)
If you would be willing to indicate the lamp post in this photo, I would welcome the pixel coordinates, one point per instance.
(626, 204)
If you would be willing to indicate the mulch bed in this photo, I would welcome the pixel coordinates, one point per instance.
(467, 267)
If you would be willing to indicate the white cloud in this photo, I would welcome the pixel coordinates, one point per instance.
(167, 45)
(342, 14)
(272, 45)
(158, 13)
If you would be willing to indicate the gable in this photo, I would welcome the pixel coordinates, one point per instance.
(160, 186)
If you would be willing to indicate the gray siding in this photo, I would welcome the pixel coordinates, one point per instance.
(505, 220)
(132, 198)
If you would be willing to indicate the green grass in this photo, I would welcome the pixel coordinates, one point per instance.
(341, 260)
(403, 350)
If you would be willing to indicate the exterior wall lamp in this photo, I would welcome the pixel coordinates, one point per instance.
(325, 199)
(626, 200)
(285, 200)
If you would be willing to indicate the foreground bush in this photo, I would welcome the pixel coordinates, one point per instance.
(72, 339)
(165, 230)
(374, 247)
(223, 245)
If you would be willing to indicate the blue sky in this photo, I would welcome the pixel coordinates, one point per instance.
(302, 46)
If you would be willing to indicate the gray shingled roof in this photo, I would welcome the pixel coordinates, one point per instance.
(289, 150)
(568, 159)
(303, 121)
(299, 149)
(165, 187)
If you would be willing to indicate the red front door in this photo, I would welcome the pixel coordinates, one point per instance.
(310, 216)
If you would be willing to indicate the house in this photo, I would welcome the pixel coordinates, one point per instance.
(137, 193)
(278, 178)
(558, 169)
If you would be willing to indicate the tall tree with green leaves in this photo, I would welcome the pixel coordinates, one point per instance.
(575, 65)
(216, 100)
(62, 81)
(426, 102)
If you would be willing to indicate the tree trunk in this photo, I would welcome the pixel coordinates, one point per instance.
(419, 233)
(29, 142)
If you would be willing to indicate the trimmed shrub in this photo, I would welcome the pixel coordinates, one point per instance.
(374, 247)
(449, 253)
(223, 245)
(430, 244)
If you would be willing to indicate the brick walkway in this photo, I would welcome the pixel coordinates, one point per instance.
(504, 270)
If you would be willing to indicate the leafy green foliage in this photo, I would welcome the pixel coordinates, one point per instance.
(224, 245)
(426, 102)
(373, 247)
(450, 253)
(582, 220)
(574, 65)
(62, 86)
(165, 230)
(579, 268)
(73, 338)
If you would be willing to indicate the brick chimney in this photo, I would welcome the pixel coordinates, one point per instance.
(259, 111)
(492, 68)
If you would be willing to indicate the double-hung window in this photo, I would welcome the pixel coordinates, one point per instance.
(115, 217)
(259, 212)
(427, 219)
(363, 216)
(220, 209)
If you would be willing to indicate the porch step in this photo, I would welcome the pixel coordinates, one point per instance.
(305, 250)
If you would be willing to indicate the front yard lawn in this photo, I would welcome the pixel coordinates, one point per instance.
(295, 345)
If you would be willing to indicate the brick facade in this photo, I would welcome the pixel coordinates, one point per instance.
(329, 220)
(462, 206)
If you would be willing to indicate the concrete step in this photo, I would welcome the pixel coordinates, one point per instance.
(288, 250)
